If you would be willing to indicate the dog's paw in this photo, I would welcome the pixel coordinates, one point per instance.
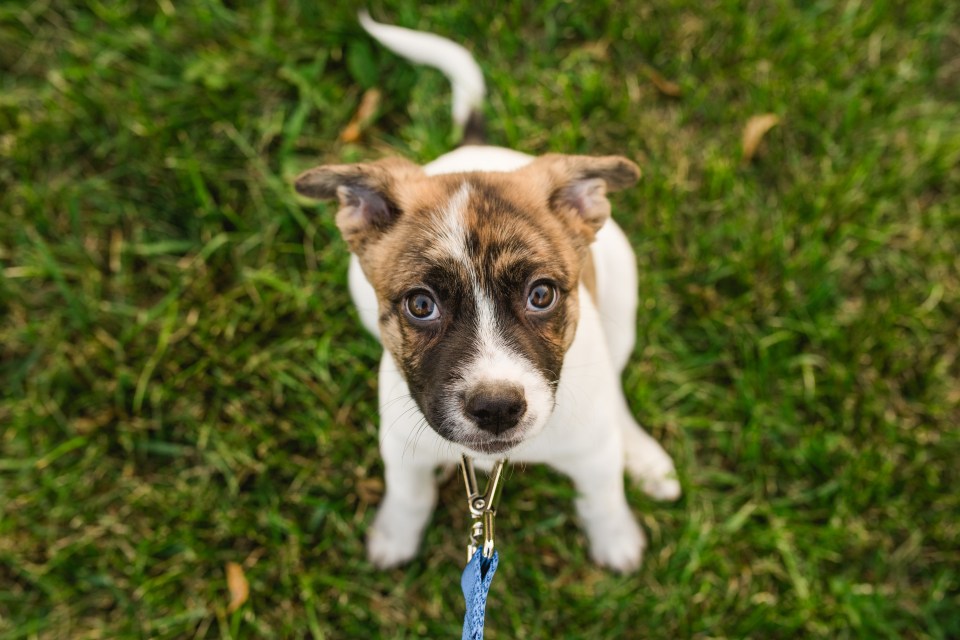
(655, 473)
(619, 547)
(666, 488)
(386, 551)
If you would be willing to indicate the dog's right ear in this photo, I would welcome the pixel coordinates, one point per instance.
(369, 193)
(576, 186)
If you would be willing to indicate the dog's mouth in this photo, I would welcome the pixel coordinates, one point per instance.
(462, 432)
(491, 446)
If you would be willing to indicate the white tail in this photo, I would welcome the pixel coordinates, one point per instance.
(446, 55)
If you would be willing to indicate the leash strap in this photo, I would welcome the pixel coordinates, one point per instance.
(482, 558)
(475, 582)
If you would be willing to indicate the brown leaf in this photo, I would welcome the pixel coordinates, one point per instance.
(753, 132)
(664, 86)
(365, 112)
(238, 586)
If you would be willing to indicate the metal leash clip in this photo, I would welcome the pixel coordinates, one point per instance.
(483, 506)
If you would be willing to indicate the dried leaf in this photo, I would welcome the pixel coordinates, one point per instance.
(757, 127)
(238, 586)
(116, 249)
(597, 50)
(664, 86)
(365, 112)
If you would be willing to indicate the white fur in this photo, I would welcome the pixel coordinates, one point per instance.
(364, 297)
(453, 60)
(449, 231)
(477, 158)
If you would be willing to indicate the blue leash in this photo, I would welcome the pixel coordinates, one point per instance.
(475, 582)
(481, 561)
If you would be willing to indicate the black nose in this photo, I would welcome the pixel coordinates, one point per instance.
(496, 407)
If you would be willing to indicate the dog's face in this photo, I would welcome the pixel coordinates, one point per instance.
(477, 278)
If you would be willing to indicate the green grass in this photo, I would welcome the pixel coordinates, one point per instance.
(185, 384)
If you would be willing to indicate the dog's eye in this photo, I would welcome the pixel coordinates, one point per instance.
(421, 306)
(542, 297)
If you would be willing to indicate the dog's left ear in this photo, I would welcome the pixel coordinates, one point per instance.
(577, 186)
(370, 194)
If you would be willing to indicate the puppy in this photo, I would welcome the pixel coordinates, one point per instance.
(505, 298)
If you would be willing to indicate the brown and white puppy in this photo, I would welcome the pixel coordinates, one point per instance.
(505, 299)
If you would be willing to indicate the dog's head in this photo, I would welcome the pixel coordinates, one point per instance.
(477, 278)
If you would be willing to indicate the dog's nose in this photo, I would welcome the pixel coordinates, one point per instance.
(496, 407)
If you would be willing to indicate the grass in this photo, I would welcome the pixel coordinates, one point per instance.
(185, 384)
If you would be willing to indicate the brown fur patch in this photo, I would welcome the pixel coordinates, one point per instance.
(511, 239)
(588, 276)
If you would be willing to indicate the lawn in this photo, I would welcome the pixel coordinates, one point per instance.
(185, 384)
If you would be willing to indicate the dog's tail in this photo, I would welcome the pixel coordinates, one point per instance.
(450, 58)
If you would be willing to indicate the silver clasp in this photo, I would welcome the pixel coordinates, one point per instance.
(483, 506)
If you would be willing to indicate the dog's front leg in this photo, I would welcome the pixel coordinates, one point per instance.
(411, 493)
(616, 540)
(406, 446)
